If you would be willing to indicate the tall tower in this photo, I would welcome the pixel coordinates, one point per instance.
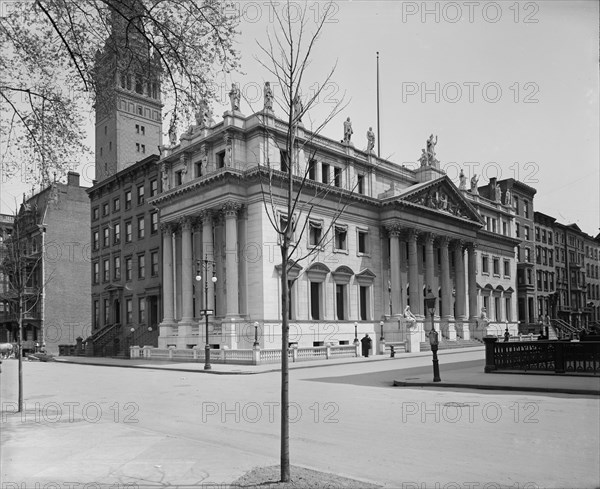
(128, 105)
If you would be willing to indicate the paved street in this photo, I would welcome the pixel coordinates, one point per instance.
(161, 428)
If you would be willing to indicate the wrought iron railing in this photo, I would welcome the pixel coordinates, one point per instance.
(546, 356)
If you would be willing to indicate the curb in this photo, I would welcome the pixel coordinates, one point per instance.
(550, 390)
(216, 372)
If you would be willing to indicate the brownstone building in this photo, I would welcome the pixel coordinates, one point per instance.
(53, 248)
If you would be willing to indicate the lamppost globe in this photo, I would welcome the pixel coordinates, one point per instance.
(381, 326)
(256, 333)
(198, 278)
(214, 279)
(355, 332)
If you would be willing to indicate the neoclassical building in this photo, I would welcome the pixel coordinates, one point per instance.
(379, 235)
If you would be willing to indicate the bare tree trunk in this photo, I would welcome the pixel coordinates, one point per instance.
(285, 423)
(20, 352)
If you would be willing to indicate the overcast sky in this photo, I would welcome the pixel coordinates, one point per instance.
(509, 88)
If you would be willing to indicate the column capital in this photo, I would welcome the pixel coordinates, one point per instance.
(185, 223)
(205, 215)
(458, 244)
(472, 245)
(393, 229)
(429, 237)
(166, 227)
(413, 234)
(231, 208)
(444, 240)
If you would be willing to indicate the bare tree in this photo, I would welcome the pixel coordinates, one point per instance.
(21, 261)
(286, 56)
(48, 82)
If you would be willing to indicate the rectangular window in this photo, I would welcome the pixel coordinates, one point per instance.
(129, 311)
(340, 238)
(549, 237)
(153, 187)
(504, 228)
(528, 255)
(128, 268)
(127, 199)
(137, 147)
(95, 213)
(106, 269)
(128, 232)
(154, 263)
(539, 280)
(141, 230)
(284, 161)
(485, 264)
(506, 268)
(360, 184)
(140, 195)
(315, 300)
(105, 209)
(105, 237)
(96, 314)
(117, 233)
(141, 267)
(526, 208)
(221, 159)
(154, 223)
(507, 309)
(117, 204)
(517, 230)
(312, 169)
(198, 169)
(117, 267)
(362, 242)
(337, 177)
(537, 233)
(179, 177)
(496, 266)
(340, 301)
(142, 310)
(143, 148)
(95, 240)
(137, 128)
(314, 233)
(143, 128)
(526, 231)
(106, 312)
(96, 272)
(325, 173)
(364, 302)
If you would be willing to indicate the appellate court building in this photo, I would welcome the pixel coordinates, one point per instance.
(401, 231)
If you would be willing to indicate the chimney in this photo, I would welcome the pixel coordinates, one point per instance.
(73, 179)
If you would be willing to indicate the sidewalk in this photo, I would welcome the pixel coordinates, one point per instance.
(475, 378)
(472, 377)
(233, 369)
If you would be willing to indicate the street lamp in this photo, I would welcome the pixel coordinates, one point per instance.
(256, 334)
(433, 334)
(206, 311)
(355, 333)
(381, 326)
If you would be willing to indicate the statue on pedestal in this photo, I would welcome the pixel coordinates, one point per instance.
(463, 181)
(431, 149)
(173, 135)
(409, 317)
(474, 181)
(268, 96)
(498, 193)
(507, 197)
(424, 160)
(483, 319)
(370, 140)
(347, 131)
(234, 97)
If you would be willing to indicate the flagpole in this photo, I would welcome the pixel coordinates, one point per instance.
(378, 131)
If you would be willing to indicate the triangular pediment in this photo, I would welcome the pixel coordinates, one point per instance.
(440, 195)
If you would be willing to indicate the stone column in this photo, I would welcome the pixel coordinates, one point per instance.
(187, 268)
(207, 254)
(167, 291)
(472, 247)
(413, 274)
(394, 232)
(429, 263)
(447, 290)
(461, 291)
(230, 210)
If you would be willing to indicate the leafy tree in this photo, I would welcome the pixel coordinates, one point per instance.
(48, 83)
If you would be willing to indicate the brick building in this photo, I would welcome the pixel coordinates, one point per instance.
(545, 271)
(125, 260)
(6, 226)
(53, 246)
